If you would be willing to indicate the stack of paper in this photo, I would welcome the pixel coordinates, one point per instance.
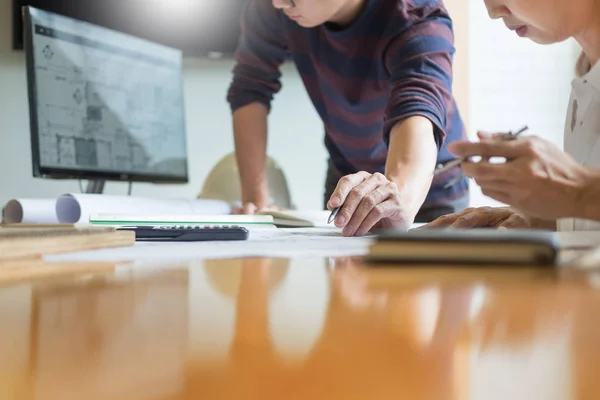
(288, 242)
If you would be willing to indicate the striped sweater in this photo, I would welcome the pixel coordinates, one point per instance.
(392, 62)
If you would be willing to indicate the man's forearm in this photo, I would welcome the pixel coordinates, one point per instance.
(250, 136)
(411, 160)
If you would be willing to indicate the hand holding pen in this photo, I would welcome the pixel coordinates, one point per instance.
(362, 202)
(534, 169)
(458, 161)
(380, 206)
(333, 214)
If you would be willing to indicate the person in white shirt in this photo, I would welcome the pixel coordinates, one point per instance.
(544, 187)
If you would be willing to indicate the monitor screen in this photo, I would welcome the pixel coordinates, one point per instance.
(200, 28)
(103, 105)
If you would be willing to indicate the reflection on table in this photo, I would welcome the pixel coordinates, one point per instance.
(300, 328)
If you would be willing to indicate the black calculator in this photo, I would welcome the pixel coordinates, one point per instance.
(186, 233)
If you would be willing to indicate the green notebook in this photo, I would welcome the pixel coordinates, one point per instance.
(213, 220)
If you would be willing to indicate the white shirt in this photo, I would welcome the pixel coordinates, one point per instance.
(582, 135)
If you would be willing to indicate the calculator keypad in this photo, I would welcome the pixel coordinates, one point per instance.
(191, 233)
(170, 227)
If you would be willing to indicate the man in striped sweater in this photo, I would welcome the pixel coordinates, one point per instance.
(379, 74)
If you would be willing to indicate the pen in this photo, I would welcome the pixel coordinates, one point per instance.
(513, 136)
(333, 214)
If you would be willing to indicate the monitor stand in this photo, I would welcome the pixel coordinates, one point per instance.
(95, 186)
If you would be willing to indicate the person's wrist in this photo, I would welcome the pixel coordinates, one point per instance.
(410, 200)
(588, 195)
(258, 202)
(259, 198)
(534, 223)
(539, 223)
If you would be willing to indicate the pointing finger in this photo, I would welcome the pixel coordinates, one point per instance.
(443, 221)
(513, 222)
(366, 205)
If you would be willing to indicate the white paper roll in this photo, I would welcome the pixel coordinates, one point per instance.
(77, 207)
(30, 211)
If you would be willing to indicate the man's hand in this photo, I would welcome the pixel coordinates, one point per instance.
(369, 201)
(482, 217)
(537, 178)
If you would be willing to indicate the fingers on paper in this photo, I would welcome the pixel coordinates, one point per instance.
(515, 221)
(469, 218)
(385, 209)
(442, 222)
(477, 218)
(366, 204)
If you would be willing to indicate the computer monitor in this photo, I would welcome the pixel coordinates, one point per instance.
(104, 105)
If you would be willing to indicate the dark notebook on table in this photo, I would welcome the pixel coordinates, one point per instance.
(481, 246)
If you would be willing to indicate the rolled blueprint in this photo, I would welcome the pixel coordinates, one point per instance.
(77, 207)
(30, 211)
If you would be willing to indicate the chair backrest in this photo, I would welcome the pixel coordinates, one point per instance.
(223, 183)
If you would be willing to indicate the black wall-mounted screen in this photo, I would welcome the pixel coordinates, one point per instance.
(200, 28)
(103, 105)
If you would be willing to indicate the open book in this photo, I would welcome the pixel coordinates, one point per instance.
(305, 219)
(299, 218)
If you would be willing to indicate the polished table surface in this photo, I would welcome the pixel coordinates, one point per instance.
(306, 328)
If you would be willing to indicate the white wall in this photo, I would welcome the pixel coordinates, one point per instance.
(503, 95)
(515, 82)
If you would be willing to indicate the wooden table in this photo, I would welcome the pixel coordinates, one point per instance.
(311, 328)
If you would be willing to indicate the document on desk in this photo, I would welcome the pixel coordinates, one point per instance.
(262, 242)
(268, 242)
